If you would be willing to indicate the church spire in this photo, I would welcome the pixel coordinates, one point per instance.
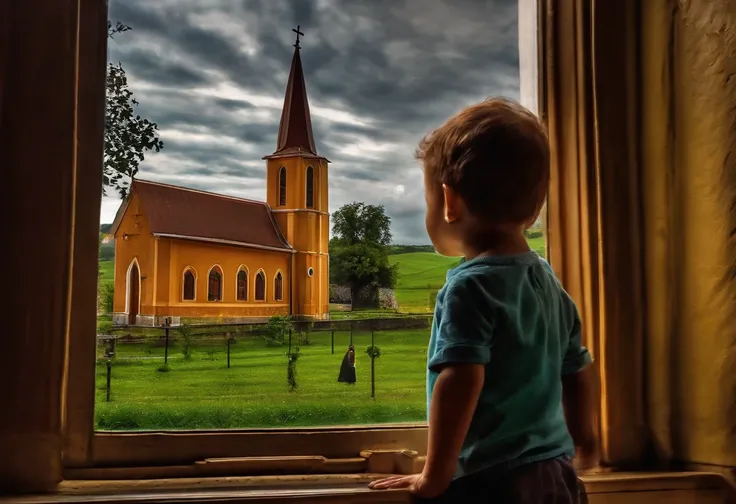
(295, 129)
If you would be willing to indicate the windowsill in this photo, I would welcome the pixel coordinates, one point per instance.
(704, 488)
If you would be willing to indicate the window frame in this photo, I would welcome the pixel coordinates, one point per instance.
(262, 274)
(244, 269)
(188, 269)
(86, 448)
(309, 187)
(278, 290)
(217, 269)
(282, 186)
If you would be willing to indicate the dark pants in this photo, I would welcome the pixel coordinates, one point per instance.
(546, 482)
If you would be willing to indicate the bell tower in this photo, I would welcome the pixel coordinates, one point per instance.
(297, 191)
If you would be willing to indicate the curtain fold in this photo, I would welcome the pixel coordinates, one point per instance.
(589, 103)
(640, 103)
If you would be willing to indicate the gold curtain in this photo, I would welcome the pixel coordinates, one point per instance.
(640, 102)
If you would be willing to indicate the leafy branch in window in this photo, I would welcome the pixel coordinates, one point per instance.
(127, 135)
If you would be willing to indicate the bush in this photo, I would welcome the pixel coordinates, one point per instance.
(533, 233)
(291, 369)
(107, 294)
(340, 294)
(373, 351)
(163, 368)
(277, 329)
(185, 331)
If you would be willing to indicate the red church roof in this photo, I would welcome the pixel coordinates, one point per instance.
(178, 212)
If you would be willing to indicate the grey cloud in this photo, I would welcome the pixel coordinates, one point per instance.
(399, 66)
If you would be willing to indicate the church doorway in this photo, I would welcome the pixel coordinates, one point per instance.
(134, 279)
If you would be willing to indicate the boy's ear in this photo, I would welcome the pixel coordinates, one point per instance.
(452, 204)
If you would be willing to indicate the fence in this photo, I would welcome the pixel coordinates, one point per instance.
(259, 348)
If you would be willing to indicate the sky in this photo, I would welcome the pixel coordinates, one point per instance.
(380, 74)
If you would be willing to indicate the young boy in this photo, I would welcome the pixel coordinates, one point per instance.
(505, 350)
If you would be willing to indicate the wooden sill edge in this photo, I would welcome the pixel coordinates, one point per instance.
(324, 486)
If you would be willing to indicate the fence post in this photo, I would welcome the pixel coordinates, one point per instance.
(332, 337)
(109, 373)
(167, 323)
(373, 364)
(373, 378)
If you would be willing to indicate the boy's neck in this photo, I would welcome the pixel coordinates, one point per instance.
(500, 245)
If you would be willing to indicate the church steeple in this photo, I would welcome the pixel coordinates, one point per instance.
(295, 129)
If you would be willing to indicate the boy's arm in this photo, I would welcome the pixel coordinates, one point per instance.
(578, 397)
(454, 398)
(579, 390)
(464, 349)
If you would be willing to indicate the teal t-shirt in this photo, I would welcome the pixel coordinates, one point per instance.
(511, 314)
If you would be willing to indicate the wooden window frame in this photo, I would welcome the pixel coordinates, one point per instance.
(86, 448)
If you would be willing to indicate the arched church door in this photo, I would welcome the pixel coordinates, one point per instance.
(133, 293)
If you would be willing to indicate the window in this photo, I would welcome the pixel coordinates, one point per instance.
(278, 287)
(310, 187)
(145, 447)
(242, 287)
(261, 286)
(189, 286)
(282, 186)
(214, 285)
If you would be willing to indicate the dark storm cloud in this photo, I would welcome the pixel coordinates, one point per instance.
(380, 74)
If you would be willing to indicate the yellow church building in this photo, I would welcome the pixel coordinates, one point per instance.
(189, 255)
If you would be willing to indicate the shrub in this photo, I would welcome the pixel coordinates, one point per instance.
(293, 356)
(276, 330)
(163, 368)
(533, 233)
(373, 351)
(107, 294)
(185, 331)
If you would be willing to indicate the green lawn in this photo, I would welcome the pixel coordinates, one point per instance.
(204, 394)
(422, 273)
(107, 271)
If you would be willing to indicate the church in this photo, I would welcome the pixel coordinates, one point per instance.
(191, 256)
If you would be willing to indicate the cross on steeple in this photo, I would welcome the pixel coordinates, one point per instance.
(297, 36)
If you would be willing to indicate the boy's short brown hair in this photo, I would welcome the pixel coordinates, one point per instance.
(495, 155)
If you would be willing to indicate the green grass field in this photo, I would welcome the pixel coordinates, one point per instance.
(203, 393)
(107, 271)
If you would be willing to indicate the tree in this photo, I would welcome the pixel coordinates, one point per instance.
(360, 247)
(127, 135)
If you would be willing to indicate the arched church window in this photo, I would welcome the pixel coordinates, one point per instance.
(278, 287)
(282, 186)
(260, 286)
(310, 187)
(189, 284)
(214, 287)
(242, 285)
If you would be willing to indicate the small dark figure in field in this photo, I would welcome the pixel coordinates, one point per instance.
(347, 368)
